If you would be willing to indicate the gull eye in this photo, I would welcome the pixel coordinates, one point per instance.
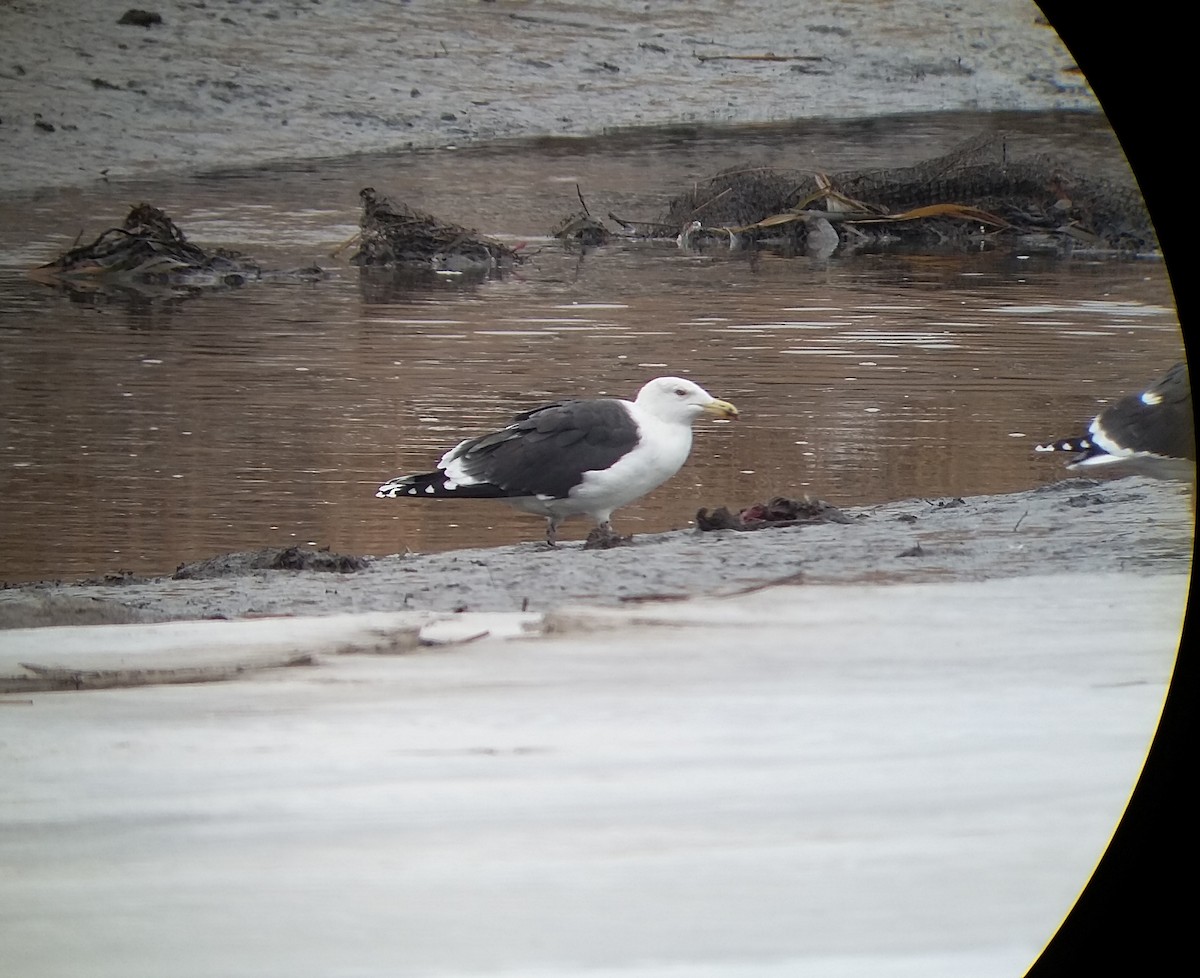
(680, 392)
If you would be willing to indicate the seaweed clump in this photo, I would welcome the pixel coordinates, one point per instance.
(974, 194)
(395, 235)
(148, 248)
(978, 194)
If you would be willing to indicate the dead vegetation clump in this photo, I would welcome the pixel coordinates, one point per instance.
(394, 234)
(269, 559)
(581, 228)
(737, 196)
(148, 248)
(972, 196)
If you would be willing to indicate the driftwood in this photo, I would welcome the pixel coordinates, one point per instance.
(761, 57)
(40, 659)
(53, 678)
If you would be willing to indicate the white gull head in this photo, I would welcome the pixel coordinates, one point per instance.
(679, 401)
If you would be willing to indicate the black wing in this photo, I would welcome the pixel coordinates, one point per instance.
(547, 450)
(1159, 421)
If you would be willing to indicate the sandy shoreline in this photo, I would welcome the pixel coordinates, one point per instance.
(1077, 526)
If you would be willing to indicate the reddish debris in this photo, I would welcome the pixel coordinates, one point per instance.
(779, 511)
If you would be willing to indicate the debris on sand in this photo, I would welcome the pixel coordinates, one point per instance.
(393, 234)
(599, 539)
(780, 511)
(975, 196)
(149, 249)
(140, 18)
(272, 558)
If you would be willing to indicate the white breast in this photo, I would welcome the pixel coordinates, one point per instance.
(660, 454)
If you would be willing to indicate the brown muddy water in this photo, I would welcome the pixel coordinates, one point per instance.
(140, 431)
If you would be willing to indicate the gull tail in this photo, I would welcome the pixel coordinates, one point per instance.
(436, 485)
(1080, 444)
(1086, 451)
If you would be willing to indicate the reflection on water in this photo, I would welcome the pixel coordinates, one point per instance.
(142, 432)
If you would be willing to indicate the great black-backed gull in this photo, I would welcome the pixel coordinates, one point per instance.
(577, 457)
(1152, 433)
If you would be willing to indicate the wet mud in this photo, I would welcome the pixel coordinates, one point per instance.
(90, 96)
(1133, 525)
